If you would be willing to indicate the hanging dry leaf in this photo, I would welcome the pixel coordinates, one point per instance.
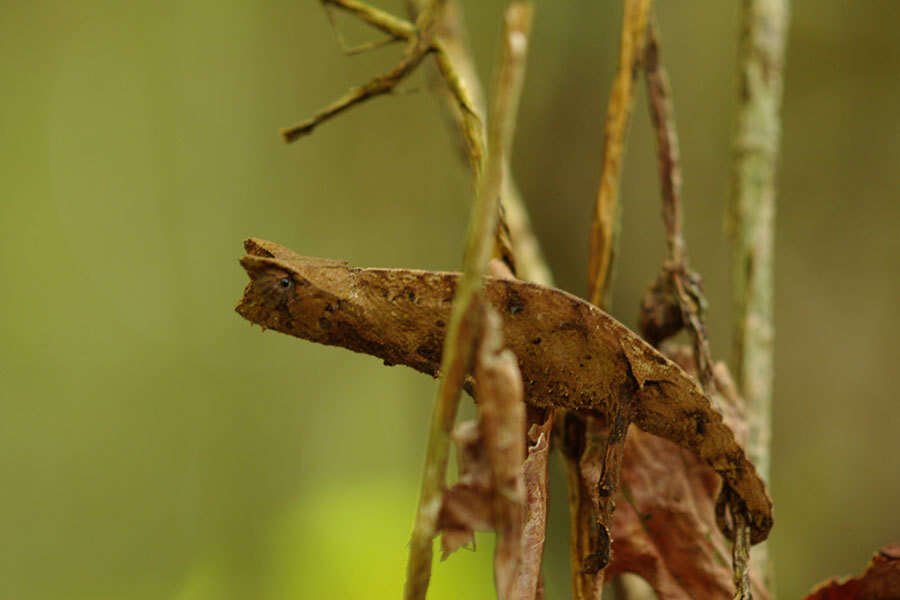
(664, 528)
(881, 581)
(571, 354)
(535, 527)
(501, 410)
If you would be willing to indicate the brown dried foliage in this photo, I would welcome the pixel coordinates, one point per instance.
(881, 581)
(664, 528)
(499, 489)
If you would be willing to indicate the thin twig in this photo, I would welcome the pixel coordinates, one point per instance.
(685, 283)
(383, 21)
(621, 100)
(662, 116)
(478, 252)
(419, 45)
(752, 223)
(463, 98)
(740, 556)
(677, 274)
(352, 50)
(589, 520)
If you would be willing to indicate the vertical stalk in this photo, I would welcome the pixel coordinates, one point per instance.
(763, 32)
(752, 222)
(459, 340)
(603, 235)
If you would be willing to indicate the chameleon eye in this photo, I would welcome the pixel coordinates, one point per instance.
(285, 282)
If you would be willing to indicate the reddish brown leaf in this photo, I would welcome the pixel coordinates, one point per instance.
(664, 528)
(881, 581)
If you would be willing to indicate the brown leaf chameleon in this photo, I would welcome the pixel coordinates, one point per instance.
(571, 354)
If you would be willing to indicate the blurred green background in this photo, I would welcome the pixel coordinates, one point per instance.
(153, 445)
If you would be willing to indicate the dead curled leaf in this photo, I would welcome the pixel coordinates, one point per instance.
(496, 479)
(501, 408)
(664, 528)
(467, 506)
(534, 530)
(571, 354)
(881, 581)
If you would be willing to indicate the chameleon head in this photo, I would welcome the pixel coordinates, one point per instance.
(283, 293)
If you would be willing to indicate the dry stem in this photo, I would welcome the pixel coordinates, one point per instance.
(585, 522)
(621, 100)
(685, 283)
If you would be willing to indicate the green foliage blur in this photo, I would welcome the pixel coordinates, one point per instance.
(153, 445)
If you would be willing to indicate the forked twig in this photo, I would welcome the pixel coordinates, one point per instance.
(462, 96)
(419, 44)
(352, 50)
(379, 19)
(454, 362)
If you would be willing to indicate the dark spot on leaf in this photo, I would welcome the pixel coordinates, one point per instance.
(700, 421)
(439, 323)
(431, 349)
(514, 303)
(324, 323)
(406, 293)
(575, 326)
(536, 341)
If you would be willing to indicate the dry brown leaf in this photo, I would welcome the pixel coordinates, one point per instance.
(466, 506)
(501, 410)
(664, 528)
(499, 488)
(534, 532)
(881, 581)
(571, 354)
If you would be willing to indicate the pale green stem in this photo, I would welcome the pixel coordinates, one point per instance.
(482, 225)
(752, 222)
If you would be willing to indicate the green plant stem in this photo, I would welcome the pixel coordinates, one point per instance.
(752, 219)
(482, 224)
(462, 96)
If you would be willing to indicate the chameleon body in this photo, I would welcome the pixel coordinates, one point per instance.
(571, 354)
